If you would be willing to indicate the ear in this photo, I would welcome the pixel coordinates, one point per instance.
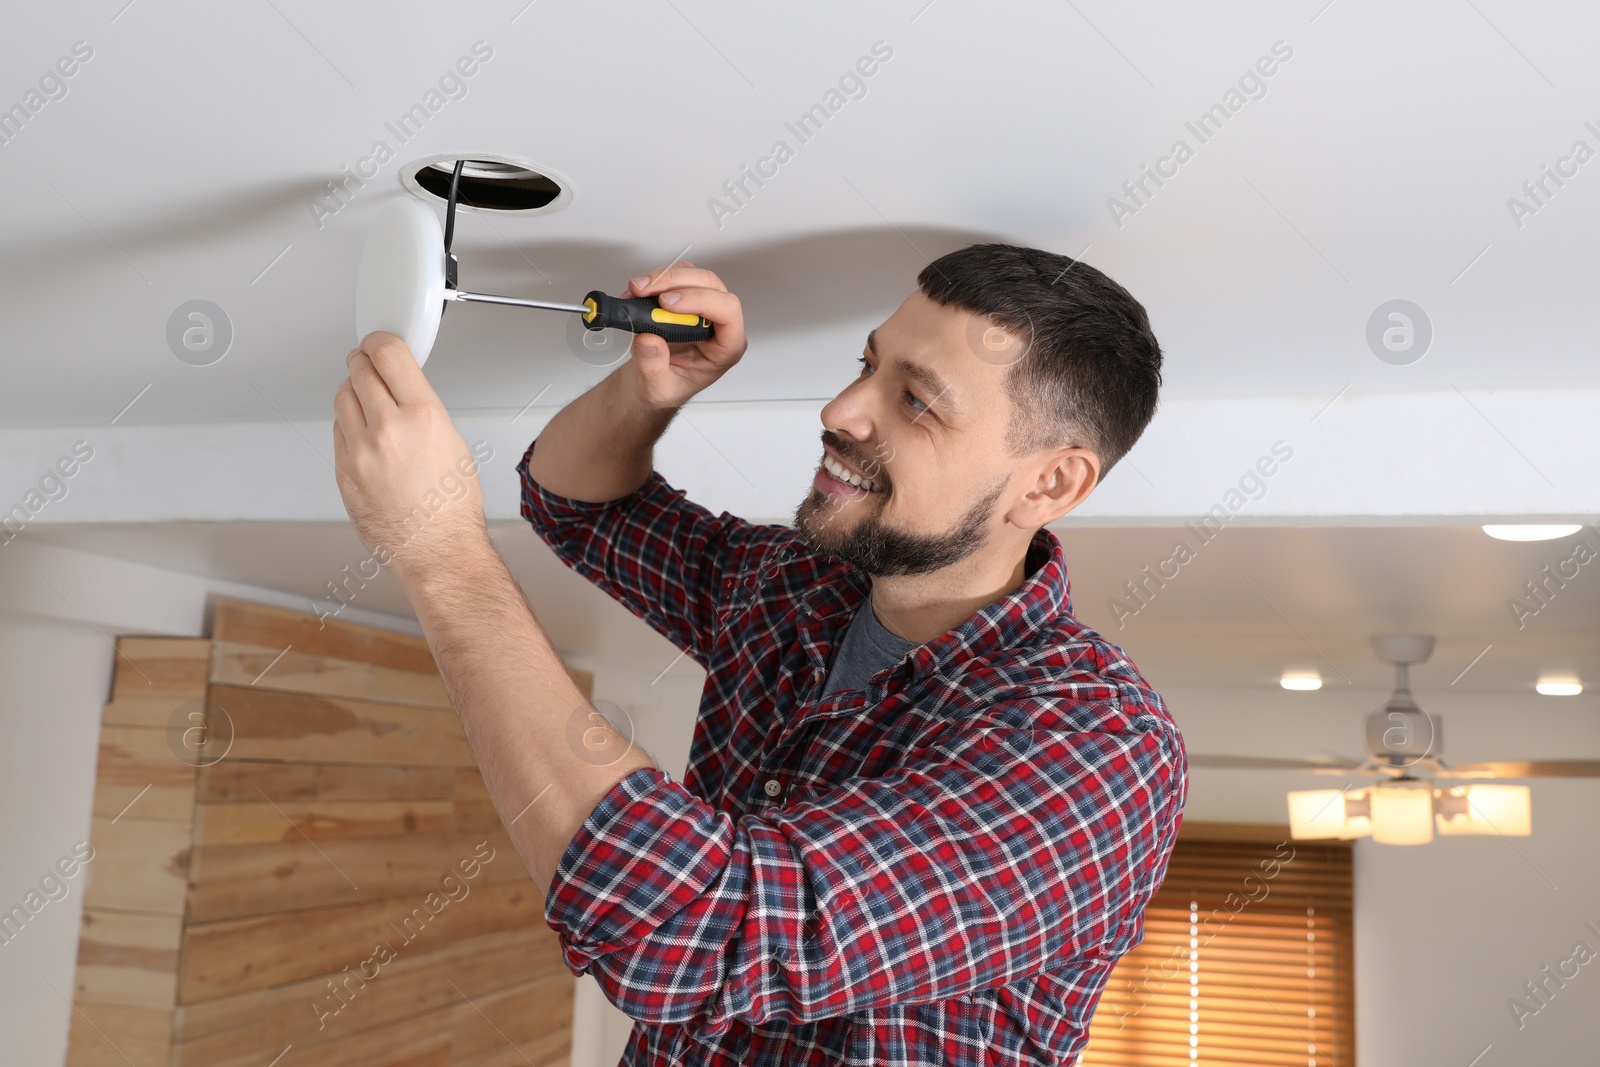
(1063, 479)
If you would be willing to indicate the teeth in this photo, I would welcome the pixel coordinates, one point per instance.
(844, 474)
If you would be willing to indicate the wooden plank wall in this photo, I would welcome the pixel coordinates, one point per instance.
(331, 886)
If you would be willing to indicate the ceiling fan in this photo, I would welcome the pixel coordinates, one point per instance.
(1405, 750)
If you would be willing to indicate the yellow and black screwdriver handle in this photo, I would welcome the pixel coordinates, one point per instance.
(643, 314)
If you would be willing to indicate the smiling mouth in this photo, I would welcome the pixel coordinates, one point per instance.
(839, 472)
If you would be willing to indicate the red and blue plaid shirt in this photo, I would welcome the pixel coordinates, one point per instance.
(940, 869)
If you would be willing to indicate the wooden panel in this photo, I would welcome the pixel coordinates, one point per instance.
(138, 767)
(243, 623)
(416, 1040)
(552, 1050)
(284, 1013)
(160, 667)
(246, 780)
(152, 712)
(233, 882)
(237, 955)
(307, 1015)
(211, 920)
(527, 1023)
(294, 671)
(108, 1035)
(298, 820)
(129, 959)
(139, 865)
(270, 725)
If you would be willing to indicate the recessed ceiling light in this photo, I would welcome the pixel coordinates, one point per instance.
(1558, 687)
(1301, 681)
(1533, 532)
(489, 183)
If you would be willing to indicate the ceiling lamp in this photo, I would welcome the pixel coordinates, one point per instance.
(1315, 813)
(1301, 681)
(1566, 686)
(1323, 813)
(1485, 809)
(1402, 814)
(1409, 811)
(1533, 531)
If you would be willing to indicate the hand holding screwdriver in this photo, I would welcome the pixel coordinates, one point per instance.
(671, 373)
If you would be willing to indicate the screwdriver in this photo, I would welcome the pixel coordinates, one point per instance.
(636, 314)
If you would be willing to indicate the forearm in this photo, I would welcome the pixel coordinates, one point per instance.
(601, 446)
(516, 702)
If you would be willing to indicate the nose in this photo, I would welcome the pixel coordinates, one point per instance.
(847, 414)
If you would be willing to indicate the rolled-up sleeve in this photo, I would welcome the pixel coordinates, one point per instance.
(994, 851)
(660, 555)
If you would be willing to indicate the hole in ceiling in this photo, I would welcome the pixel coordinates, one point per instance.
(490, 185)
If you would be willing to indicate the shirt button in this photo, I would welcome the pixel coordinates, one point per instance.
(773, 787)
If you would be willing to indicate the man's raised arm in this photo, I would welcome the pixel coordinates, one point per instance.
(394, 443)
(599, 447)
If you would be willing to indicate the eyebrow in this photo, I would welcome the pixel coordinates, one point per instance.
(924, 377)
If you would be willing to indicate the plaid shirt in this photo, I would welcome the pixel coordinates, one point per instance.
(941, 869)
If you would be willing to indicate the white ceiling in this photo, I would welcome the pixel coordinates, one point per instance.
(1377, 166)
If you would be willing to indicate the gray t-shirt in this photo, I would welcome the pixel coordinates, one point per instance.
(868, 647)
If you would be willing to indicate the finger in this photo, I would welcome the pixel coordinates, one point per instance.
(718, 305)
(398, 368)
(648, 347)
(675, 276)
(376, 399)
(347, 413)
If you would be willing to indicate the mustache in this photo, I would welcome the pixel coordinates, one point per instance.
(873, 467)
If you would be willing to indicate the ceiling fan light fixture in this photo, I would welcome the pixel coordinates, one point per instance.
(1547, 531)
(1316, 813)
(1301, 681)
(1483, 808)
(1402, 814)
(1566, 686)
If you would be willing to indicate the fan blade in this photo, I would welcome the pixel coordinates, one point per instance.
(1268, 763)
(1539, 768)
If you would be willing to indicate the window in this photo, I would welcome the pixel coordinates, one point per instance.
(1246, 959)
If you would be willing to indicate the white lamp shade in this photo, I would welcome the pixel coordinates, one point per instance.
(1492, 809)
(400, 285)
(1402, 815)
(1316, 813)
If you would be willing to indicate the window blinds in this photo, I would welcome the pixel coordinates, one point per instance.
(1246, 960)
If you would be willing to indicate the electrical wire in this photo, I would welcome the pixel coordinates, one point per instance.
(450, 210)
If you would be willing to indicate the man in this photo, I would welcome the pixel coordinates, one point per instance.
(925, 806)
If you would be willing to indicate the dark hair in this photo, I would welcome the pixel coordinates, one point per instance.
(1091, 369)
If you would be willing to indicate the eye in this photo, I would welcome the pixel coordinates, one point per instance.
(911, 399)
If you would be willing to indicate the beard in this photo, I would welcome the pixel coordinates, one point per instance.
(882, 550)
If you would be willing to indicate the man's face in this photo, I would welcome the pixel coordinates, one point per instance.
(922, 429)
